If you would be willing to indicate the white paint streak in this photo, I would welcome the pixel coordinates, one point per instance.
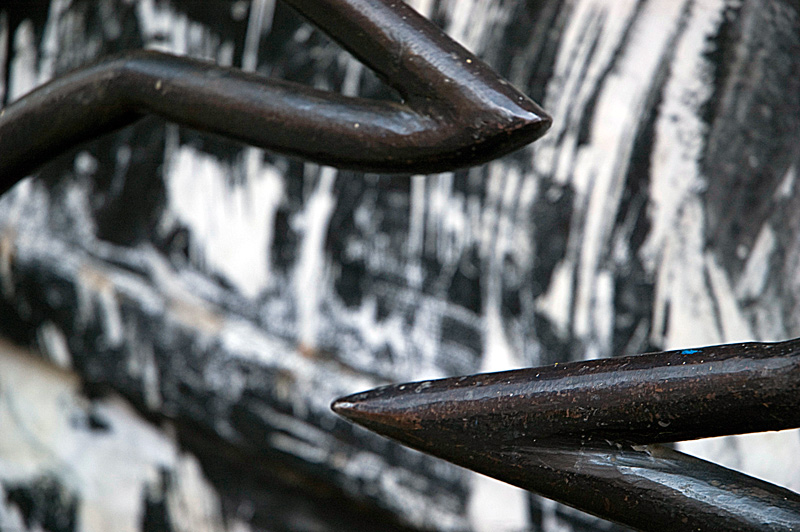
(424, 336)
(674, 249)
(495, 506)
(461, 20)
(757, 294)
(447, 226)
(352, 77)
(142, 363)
(590, 40)
(753, 281)
(770, 456)
(602, 165)
(556, 302)
(416, 230)
(112, 25)
(603, 319)
(166, 30)
(786, 190)
(735, 327)
(428, 513)
(192, 502)
(97, 297)
(580, 300)
(498, 355)
(54, 344)
(310, 274)
(23, 74)
(62, 27)
(45, 432)
(308, 452)
(259, 24)
(311, 269)
(424, 7)
(157, 21)
(389, 333)
(681, 288)
(232, 224)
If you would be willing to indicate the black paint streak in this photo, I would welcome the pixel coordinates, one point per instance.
(44, 502)
(156, 516)
(274, 495)
(753, 121)
(588, 118)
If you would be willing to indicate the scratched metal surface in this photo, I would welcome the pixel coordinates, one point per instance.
(228, 295)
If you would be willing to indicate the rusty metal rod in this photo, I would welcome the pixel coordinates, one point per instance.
(456, 111)
(582, 433)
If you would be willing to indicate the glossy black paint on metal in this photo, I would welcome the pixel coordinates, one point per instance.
(456, 111)
(582, 433)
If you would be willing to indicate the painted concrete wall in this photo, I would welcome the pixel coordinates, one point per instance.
(199, 303)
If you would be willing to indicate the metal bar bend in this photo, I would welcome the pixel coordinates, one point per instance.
(456, 111)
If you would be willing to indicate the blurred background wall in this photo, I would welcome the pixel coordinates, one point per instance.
(178, 310)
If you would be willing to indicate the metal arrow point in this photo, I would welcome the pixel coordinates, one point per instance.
(591, 434)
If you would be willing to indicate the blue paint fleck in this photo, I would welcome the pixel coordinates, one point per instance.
(690, 351)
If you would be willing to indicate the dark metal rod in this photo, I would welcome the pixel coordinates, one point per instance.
(581, 432)
(634, 400)
(653, 489)
(456, 111)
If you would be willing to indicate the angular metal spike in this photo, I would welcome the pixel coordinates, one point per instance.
(456, 111)
(583, 433)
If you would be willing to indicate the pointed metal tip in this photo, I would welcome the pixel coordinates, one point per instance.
(567, 431)
(346, 408)
(379, 410)
(342, 407)
(594, 401)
